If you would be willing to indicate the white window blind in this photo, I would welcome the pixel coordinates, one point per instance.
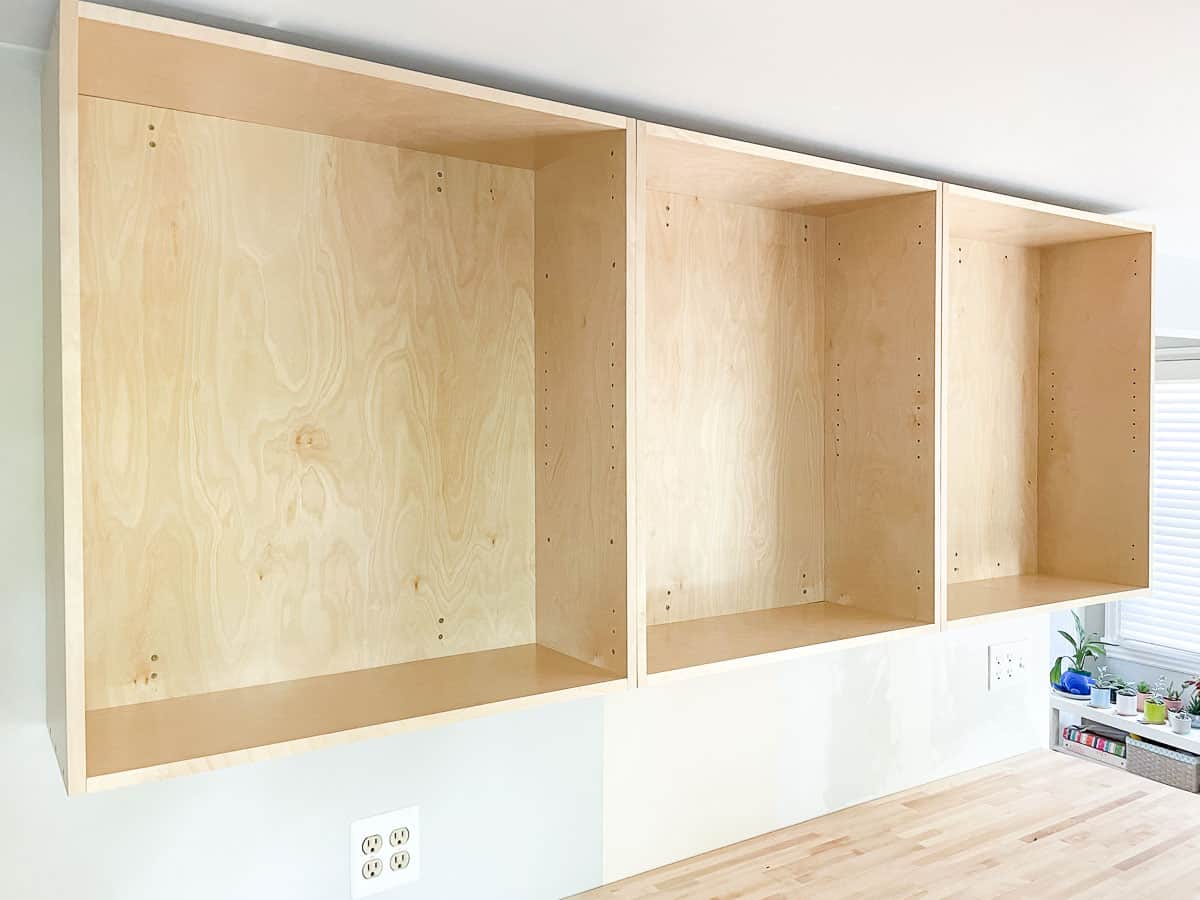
(1167, 622)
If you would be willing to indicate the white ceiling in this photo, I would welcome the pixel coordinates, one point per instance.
(1091, 104)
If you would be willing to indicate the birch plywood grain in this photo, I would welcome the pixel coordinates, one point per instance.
(880, 327)
(996, 219)
(702, 642)
(308, 404)
(150, 741)
(992, 444)
(694, 164)
(732, 428)
(138, 58)
(1015, 594)
(1094, 415)
(582, 269)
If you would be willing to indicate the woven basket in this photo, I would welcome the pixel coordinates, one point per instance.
(1173, 767)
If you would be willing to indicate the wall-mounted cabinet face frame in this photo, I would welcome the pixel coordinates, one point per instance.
(1048, 384)
(336, 391)
(787, 442)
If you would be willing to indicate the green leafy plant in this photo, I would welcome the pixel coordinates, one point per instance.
(1193, 706)
(1143, 687)
(1170, 692)
(1084, 646)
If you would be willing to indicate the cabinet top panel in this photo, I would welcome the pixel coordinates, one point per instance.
(177, 65)
(701, 165)
(998, 219)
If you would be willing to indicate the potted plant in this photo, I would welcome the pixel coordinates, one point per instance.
(1155, 710)
(1114, 683)
(1084, 646)
(1127, 701)
(1120, 684)
(1193, 703)
(1181, 722)
(1173, 698)
(1193, 708)
(1143, 694)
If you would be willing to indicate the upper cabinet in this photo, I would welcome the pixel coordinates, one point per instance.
(787, 429)
(376, 399)
(337, 390)
(1047, 384)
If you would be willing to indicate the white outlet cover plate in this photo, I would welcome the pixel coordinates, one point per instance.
(383, 825)
(1008, 664)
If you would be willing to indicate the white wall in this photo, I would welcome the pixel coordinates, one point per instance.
(495, 794)
(707, 762)
(1177, 295)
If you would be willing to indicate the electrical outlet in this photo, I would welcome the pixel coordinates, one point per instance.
(378, 863)
(1008, 665)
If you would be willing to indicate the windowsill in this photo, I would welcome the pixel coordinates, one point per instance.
(1155, 657)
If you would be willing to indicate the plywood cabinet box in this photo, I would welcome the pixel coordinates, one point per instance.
(786, 466)
(1048, 389)
(375, 399)
(336, 392)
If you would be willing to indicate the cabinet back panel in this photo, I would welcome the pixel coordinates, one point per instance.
(732, 432)
(307, 404)
(880, 355)
(992, 402)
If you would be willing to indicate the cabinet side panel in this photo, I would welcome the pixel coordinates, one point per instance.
(731, 483)
(61, 414)
(308, 404)
(881, 328)
(992, 388)
(1095, 402)
(581, 273)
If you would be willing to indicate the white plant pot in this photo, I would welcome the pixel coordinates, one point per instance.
(1127, 705)
(1101, 697)
(1181, 723)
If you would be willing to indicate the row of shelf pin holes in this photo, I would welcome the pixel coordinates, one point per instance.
(612, 396)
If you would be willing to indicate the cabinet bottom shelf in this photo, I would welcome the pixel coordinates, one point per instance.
(149, 741)
(721, 639)
(1022, 593)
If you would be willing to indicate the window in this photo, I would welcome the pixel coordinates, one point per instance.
(1163, 629)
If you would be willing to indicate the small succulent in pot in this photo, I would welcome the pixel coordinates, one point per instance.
(1193, 708)
(1181, 722)
(1193, 704)
(1143, 694)
(1155, 710)
(1126, 701)
(1173, 698)
(1112, 682)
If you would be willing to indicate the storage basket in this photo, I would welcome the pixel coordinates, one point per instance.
(1173, 767)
